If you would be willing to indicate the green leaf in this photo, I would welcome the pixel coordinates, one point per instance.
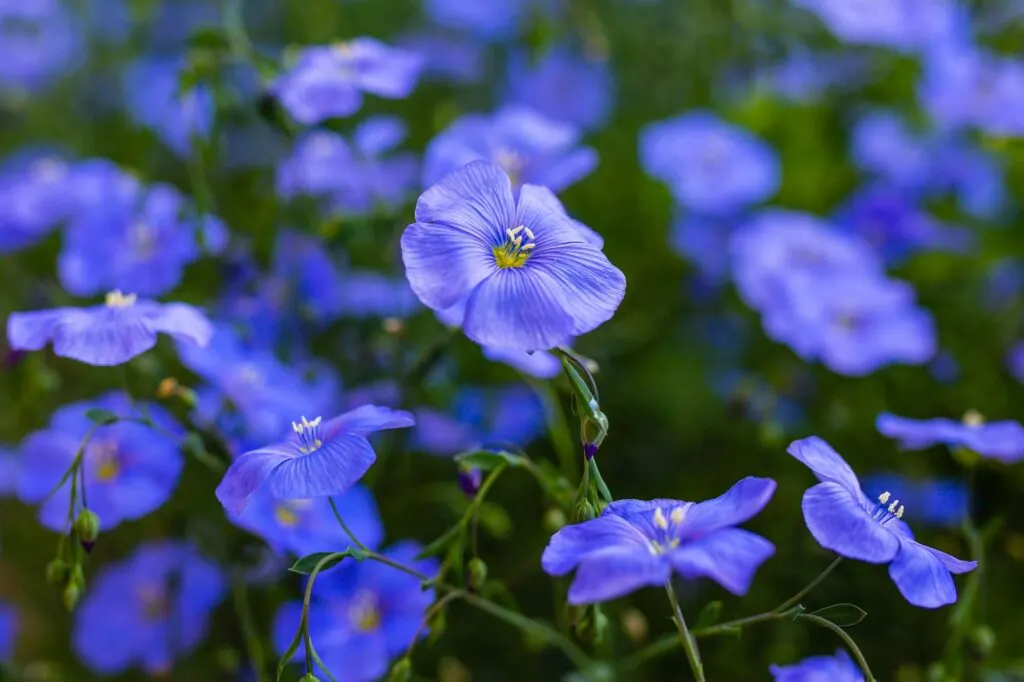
(286, 658)
(316, 657)
(485, 460)
(709, 615)
(100, 416)
(210, 38)
(495, 519)
(843, 615)
(306, 564)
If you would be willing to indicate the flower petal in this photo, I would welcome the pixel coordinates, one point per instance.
(571, 544)
(103, 336)
(331, 469)
(475, 199)
(839, 522)
(33, 330)
(730, 557)
(615, 572)
(952, 564)
(443, 264)
(915, 434)
(921, 576)
(544, 196)
(180, 321)
(519, 308)
(824, 461)
(740, 503)
(248, 473)
(368, 419)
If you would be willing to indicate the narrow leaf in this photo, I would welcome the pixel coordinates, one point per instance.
(843, 615)
(100, 416)
(709, 615)
(485, 460)
(306, 564)
(323, 668)
(289, 654)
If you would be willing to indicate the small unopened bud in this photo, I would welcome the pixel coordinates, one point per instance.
(72, 593)
(309, 677)
(477, 570)
(401, 671)
(87, 526)
(57, 572)
(589, 450)
(470, 480)
(584, 511)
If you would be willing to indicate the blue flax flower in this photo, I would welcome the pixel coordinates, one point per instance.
(481, 417)
(8, 632)
(904, 25)
(493, 21)
(838, 668)
(316, 460)
(1015, 361)
(328, 81)
(528, 146)
(304, 526)
(155, 100)
(636, 544)
(147, 610)
(562, 84)
(447, 57)
(529, 278)
(8, 471)
(109, 334)
(34, 198)
(130, 469)
(936, 501)
(842, 518)
(40, 42)
(1001, 440)
(710, 166)
(363, 614)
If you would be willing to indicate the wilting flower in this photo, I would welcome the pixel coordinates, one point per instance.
(147, 610)
(527, 145)
(130, 469)
(841, 518)
(934, 501)
(636, 544)
(304, 526)
(562, 84)
(838, 668)
(1001, 440)
(363, 614)
(328, 81)
(316, 460)
(481, 417)
(529, 278)
(108, 334)
(710, 166)
(8, 631)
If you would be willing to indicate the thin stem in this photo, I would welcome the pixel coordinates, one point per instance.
(349, 533)
(558, 427)
(81, 475)
(851, 645)
(795, 599)
(689, 643)
(253, 645)
(434, 608)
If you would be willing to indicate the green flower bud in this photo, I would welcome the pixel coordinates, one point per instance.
(57, 572)
(477, 570)
(401, 671)
(72, 593)
(87, 526)
(584, 511)
(309, 677)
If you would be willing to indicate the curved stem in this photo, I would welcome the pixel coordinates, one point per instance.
(344, 527)
(795, 599)
(851, 645)
(689, 643)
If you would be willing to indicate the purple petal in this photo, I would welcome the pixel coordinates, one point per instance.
(826, 463)
(590, 286)
(839, 522)
(571, 544)
(443, 264)
(331, 469)
(181, 321)
(615, 572)
(103, 336)
(33, 330)
(730, 557)
(546, 197)
(368, 419)
(952, 564)
(921, 576)
(518, 308)
(475, 199)
(915, 434)
(248, 473)
(740, 503)
(540, 364)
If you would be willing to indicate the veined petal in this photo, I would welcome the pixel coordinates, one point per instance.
(331, 469)
(738, 504)
(541, 211)
(921, 576)
(519, 308)
(730, 557)
(33, 330)
(839, 522)
(591, 287)
(248, 473)
(444, 264)
(103, 336)
(475, 199)
(571, 544)
(368, 419)
(180, 320)
(824, 461)
(545, 196)
(952, 564)
(615, 572)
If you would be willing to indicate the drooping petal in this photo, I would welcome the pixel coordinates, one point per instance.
(824, 461)
(952, 564)
(730, 557)
(616, 572)
(915, 434)
(368, 419)
(571, 544)
(839, 522)
(738, 504)
(519, 308)
(181, 321)
(331, 469)
(443, 264)
(921, 576)
(475, 199)
(103, 336)
(248, 473)
(33, 330)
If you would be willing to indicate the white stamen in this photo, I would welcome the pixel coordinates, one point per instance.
(899, 512)
(893, 506)
(884, 497)
(659, 519)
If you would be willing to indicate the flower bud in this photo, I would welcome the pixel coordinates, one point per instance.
(72, 593)
(470, 480)
(57, 572)
(477, 570)
(983, 639)
(401, 671)
(87, 526)
(584, 511)
(589, 450)
(309, 677)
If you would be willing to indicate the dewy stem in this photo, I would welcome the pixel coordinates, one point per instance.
(689, 643)
(850, 644)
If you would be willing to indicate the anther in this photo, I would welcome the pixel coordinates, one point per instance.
(659, 519)
(899, 512)
(893, 506)
(677, 515)
(884, 497)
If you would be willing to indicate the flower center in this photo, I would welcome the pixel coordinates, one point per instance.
(108, 465)
(514, 252)
(155, 603)
(511, 162)
(49, 170)
(115, 299)
(288, 513)
(666, 536)
(884, 514)
(142, 237)
(973, 419)
(309, 435)
(364, 612)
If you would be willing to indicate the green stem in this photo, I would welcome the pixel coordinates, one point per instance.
(344, 527)
(689, 643)
(81, 476)
(795, 599)
(851, 645)
(558, 427)
(253, 645)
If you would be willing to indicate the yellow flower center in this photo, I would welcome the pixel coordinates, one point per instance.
(364, 613)
(107, 464)
(288, 513)
(115, 299)
(516, 248)
(664, 524)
